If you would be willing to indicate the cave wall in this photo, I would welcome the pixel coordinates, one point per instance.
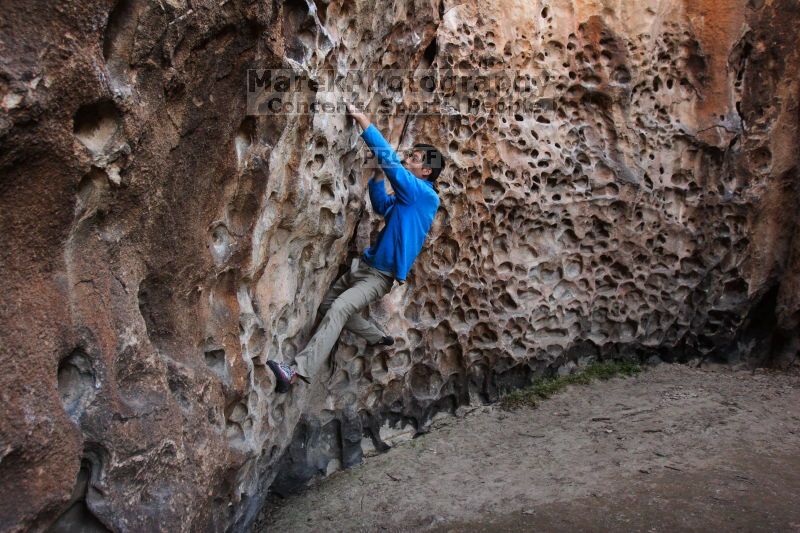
(159, 244)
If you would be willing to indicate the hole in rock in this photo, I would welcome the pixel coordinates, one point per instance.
(429, 55)
(399, 361)
(317, 163)
(425, 383)
(322, 10)
(157, 308)
(484, 333)
(327, 220)
(78, 516)
(508, 302)
(298, 29)
(244, 138)
(443, 336)
(93, 193)
(326, 189)
(120, 34)
(317, 449)
(428, 84)
(95, 124)
(220, 243)
(76, 383)
(215, 359)
(656, 84)
(622, 75)
(236, 415)
(492, 190)
(762, 158)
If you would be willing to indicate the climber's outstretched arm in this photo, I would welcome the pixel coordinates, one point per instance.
(403, 182)
(361, 118)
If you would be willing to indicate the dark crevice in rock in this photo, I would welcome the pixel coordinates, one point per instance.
(244, 139)
(215, 359)
(78, 517)
(322, 10)
(119, 37)
(299, 30)
(429, 54)
(316, 450)
(372, 430)
(96, 124)
(155, 300)
(759, 334)
(76, 382)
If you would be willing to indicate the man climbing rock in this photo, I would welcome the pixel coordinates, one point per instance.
(408, 213)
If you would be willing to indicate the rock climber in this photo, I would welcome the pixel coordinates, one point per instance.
(408, 214)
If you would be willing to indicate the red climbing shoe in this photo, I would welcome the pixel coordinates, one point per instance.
(285, 375)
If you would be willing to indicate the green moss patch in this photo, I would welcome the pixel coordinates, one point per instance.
(542, 389)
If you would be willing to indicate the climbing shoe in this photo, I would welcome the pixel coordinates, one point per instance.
(385, 341)
(284, 374)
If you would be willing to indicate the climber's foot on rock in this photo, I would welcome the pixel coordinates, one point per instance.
(285, 375)
(385, 341)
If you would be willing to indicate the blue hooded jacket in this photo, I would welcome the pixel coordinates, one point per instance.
(408, 212)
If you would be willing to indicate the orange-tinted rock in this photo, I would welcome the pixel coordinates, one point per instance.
(159, 244)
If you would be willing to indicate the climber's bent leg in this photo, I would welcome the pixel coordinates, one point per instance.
(356, 323)
(364, 328)
(368, 285)
(343, 283)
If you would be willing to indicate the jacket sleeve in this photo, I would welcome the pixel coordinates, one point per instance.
(381, 202)
(403, 182)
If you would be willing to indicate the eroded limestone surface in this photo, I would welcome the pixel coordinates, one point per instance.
(160, 244)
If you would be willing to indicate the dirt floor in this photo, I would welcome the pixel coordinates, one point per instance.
(672, 449)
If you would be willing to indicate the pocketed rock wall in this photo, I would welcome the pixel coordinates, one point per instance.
(159, 244)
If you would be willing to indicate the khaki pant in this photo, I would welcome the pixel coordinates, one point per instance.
(351, 293)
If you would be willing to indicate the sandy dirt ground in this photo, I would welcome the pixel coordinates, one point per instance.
(672, 449)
